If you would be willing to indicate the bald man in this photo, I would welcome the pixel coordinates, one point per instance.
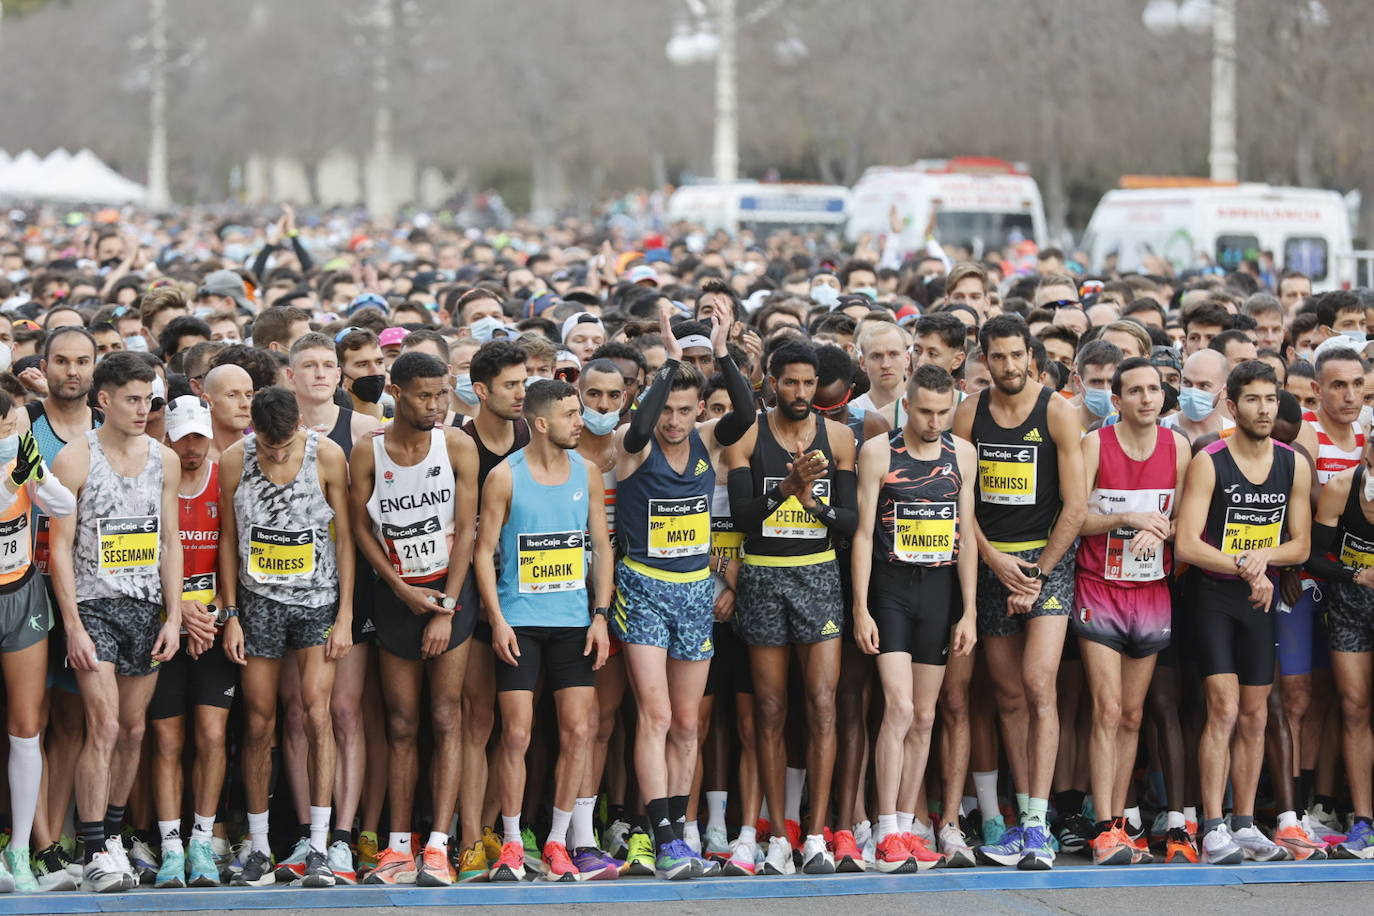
(229, 392)
(1202, 407)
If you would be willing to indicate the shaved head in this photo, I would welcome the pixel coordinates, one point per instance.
(227, 376)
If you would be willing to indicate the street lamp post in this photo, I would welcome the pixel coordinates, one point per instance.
(725, 155)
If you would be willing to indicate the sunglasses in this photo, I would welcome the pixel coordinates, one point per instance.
(1062, 304)
(568, 374)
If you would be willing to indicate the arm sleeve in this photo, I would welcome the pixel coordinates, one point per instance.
(52, 496)
(645, 416)
(302, 255)
(1321, 565)
(260, 262)
(736, 423)
(748, 508)
(843, 513)
(935, 251)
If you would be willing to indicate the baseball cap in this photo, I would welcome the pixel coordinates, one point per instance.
(1165, 358)
(226, 283)
(580, 318)
(392, 336)
(185, 415)
(641, 274)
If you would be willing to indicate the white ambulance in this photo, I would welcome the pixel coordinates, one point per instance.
(761, 207)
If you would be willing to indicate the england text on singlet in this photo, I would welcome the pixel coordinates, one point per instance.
(1018, 495)
(1244, 515)
(412, 510)
(917, 519)
(789, 531)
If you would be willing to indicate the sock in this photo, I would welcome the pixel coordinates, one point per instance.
(985, 786)
(887, 825)
(967, 804)
(691, 835)
(615, 813)
(303, 831)
(904, 819)
(257, 832)
(170, 834)
(114, 820)
(1306, 780)
(715, 810)
(1242, 821)
(1190, 814)
(1211, 823)
(510, 829)
(1035, 811)
(558, 827)
(748, 834)
(1103, 826)
(401, 841)
(660, 821)
(1068, 802)
(319, 827)
(203, 828)
(583, 834)
(340, 835)
(437, 840)
(1133, 818)
(1288, 819)
(93, 833)
(26, 773)
(796, 781)
(1176, 819)
(918, 828)
(677, 813)
(1327, 802)
(1022, 803)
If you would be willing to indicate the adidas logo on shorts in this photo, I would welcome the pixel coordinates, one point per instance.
(705, 645)
(1032, 436)
(830, 629)
(1052, 604)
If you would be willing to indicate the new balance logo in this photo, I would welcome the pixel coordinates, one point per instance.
(1052, 604)
(701, 468)
(1033, 436)
(830, 629)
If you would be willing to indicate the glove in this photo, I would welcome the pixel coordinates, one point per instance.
(28, 464)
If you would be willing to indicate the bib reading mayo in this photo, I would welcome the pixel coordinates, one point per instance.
(924, 532)
(128, 545)
(790, 520)
(281, 557)
(679, 527)
(552, 562)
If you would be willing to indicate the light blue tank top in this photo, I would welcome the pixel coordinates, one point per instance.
(545, 549)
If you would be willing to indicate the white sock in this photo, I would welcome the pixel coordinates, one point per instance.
(203, 828)
(919, 828)
(1288, 819)
(904, 820)
(583, 833)
(985, 787)
(319, 827)
(399, 841)
(715, 810)
(691, 835)
(748, 834)
(796, 781)
(257, 832)
(1133, 817)
(887, 825)
(510, 829)
(170, 831)
(1176, 820)
(1190, 814)
(558, 827)
(967, 804)
(437, 840)
(26, 773)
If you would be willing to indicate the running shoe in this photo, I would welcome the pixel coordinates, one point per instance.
(434, 870)
(741, 861)
(1179, 846)
(691, 835)
(848, 857)
(293, 866)
(794, 834)
(144, 861)
(1074, 833)
(393, 867)
(103, 874)
(863, 832)
(200, 860)
(715, 843)
(1358, 843)
(1159, 829)
(257, 870)
(816, 859)
(925, 832)
(533, 855)
(6, 878)
(472, 864)
(1111, 847)
(1330, 820)
(674, 861)
(1007, 852)
(954, 847)
(594, 865)
(237, 858)
(557, 864)
(704, 866)
(115, 847)
(16, 861)
(74, 854)
(778, 860)
(50, 869)
(172, 871)
(317, 871)
(639, 859)
(1299, 844)
(994, 831)
(1218, 848)
(368, 851)
(1140, 844)
(1038, 855)
(1316, 831)
(1257, 846)
(341, 862)
(491, 844)
(617, 839)
(921, 853)
(510, 866)
(894, 855)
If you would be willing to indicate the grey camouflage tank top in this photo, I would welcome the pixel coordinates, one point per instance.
(119, 529)
(286, 533)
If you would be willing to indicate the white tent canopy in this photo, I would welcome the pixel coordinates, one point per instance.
(61, 176)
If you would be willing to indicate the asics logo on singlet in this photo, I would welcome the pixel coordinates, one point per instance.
(1032, 436)
(1052, 604)
(701, 468)
(830, 629)
(577, 495)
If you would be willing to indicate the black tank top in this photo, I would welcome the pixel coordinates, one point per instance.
(342, 433)
(1246, 516)
(789, 531)
(1018, 476)
(486, 458)
(917, 521)
(1357, 532)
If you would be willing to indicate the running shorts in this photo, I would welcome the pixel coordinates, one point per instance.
(124, 631)
(554, 651)
(1350, 618)
(400, 631)
(670, 615)
(1230, 635)
(270, 628)
(211, 680)
(1056, 597)
(1301, 630)
(784, 605)
(24, 616)
(914, 609)
(730, 663)
(1135, 620)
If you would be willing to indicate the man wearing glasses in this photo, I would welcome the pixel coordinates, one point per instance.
(1057, 291)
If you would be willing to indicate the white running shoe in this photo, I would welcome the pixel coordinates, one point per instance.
(715, 842)
(1257, 846)
(691, 835)
(103, 874)
(863, 833)
(925, 831)
(743, 861)
(778, 860)
(816, 859)
(954, 847)
(1218, 848)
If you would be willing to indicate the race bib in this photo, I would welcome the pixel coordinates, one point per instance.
(128, 546)
(418, 550)
(790, 520)
(679, 527)
(280, 557)
(726, 542)
(1357, 553)
(1006, 474)
(15, 546)
(199, 588)
(924, 532)
(1251, 529)
(553, 562)
(1123, 565)
(41, 551)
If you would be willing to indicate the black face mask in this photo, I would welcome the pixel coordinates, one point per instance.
(368, 388)
(522, 293)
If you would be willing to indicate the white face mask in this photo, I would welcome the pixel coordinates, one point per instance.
(1368, 486)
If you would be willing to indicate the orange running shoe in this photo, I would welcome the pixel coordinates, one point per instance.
(511, 865)
(434, 868)
(1140, 844)
(793, 833)
(558, 864)
(1112, 847)
(894, 855)
(1179, 846)
(1296, 841)
(921, 854)
(393, 867)
(848, 856)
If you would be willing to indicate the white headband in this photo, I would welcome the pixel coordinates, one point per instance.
(695, 340)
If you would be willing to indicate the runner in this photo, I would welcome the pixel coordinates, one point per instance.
(910, 577)
(1031, 502)
(286, 545)
(541, 506)
(116, 566)
(410, 485)
(229, 394)
(1234, 530)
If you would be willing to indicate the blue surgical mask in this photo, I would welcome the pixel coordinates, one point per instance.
(598, 423)
(826, 295)
(136, 343)
(1098, 401)
(9, 449)
(1196, 404)
(462, 386)
(869, 291)
(1305, 355)
(1360, 337)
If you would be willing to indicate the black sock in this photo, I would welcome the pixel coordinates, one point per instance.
(661, 822)
(1326, 801)
(114, 820)
(1069, 802)
(615, 813)
(305, 831)
(1306, 779)
(152, 837)
(642, 822)
(677, 813)
(1242, 821)
(342, 836)
(92, 834)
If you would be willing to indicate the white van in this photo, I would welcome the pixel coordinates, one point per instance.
(981, 203)
(761, 207)
(1190, 224)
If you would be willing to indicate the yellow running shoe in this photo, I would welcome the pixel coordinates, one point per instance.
(472, 864)
(367, 851)
(491, 844)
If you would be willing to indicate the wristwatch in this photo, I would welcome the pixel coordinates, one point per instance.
(602, 612)
(448, 603)
(223, 614)
(1036, 573)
